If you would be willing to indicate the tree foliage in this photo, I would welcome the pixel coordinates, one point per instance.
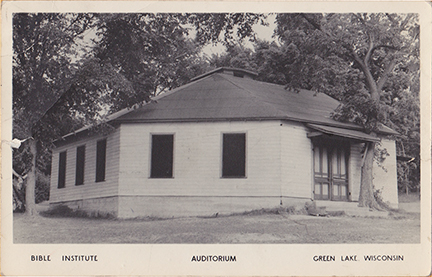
(227, 28)
(150, 52)
(43, 46)
(351, 57)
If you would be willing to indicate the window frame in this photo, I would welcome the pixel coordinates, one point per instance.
(101, 177)
(61, 177)
(151, 176)
(80, 165)
(222, 176)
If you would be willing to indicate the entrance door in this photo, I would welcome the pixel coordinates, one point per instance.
(330, 171)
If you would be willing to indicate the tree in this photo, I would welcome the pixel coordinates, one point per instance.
(151, 52)
(236, 56)
(226, 28)
(351, 57)
(43, 46)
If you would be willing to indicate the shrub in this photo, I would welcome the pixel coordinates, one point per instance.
(65, 211)
(42, 187)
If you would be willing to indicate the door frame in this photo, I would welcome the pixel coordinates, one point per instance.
(329, 179)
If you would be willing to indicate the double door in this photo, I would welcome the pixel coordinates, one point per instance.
(330, 170)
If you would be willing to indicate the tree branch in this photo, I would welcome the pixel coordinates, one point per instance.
(370, 82)
(386, 46)
(358, 60)
(370, 50)
(384, 76)
(371, 38)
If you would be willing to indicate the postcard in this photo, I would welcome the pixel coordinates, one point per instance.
(216, 138)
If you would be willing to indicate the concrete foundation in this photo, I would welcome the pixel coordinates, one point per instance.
(189, 206)
(176, 206)
(185, 206)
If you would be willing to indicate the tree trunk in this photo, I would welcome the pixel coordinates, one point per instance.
(367, 198)
(30, 208)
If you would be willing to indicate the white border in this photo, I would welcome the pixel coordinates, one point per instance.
(170, 259)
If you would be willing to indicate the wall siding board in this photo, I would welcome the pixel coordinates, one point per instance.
(197, 159)
(90, 189)
(354, 170)
(54, 170)
(385, 175)
(279, 164)
(296, 161)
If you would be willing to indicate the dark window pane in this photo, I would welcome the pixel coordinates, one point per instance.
(100, 160)
(162, 156)
(80, 163)
(234, 155)
(62, 170)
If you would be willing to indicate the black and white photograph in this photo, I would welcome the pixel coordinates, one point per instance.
(199, 138)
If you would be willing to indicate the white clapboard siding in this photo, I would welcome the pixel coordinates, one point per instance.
(354, 170)
(385, 175)
(90, 189)
(296, 152)
(198, 159)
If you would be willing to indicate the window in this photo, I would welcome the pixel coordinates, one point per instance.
(80, 163)
(100, 160)
(162, 156)
(62, 170)
(234, 156)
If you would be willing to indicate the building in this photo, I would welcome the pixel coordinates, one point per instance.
(223, 143)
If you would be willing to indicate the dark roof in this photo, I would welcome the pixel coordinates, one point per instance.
(221, 96)
(232, 94)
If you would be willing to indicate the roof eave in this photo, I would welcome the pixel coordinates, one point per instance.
(283, 118)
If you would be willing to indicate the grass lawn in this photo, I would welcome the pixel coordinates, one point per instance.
(258, 228)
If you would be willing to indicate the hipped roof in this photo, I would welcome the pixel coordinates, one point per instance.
(221, 96)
